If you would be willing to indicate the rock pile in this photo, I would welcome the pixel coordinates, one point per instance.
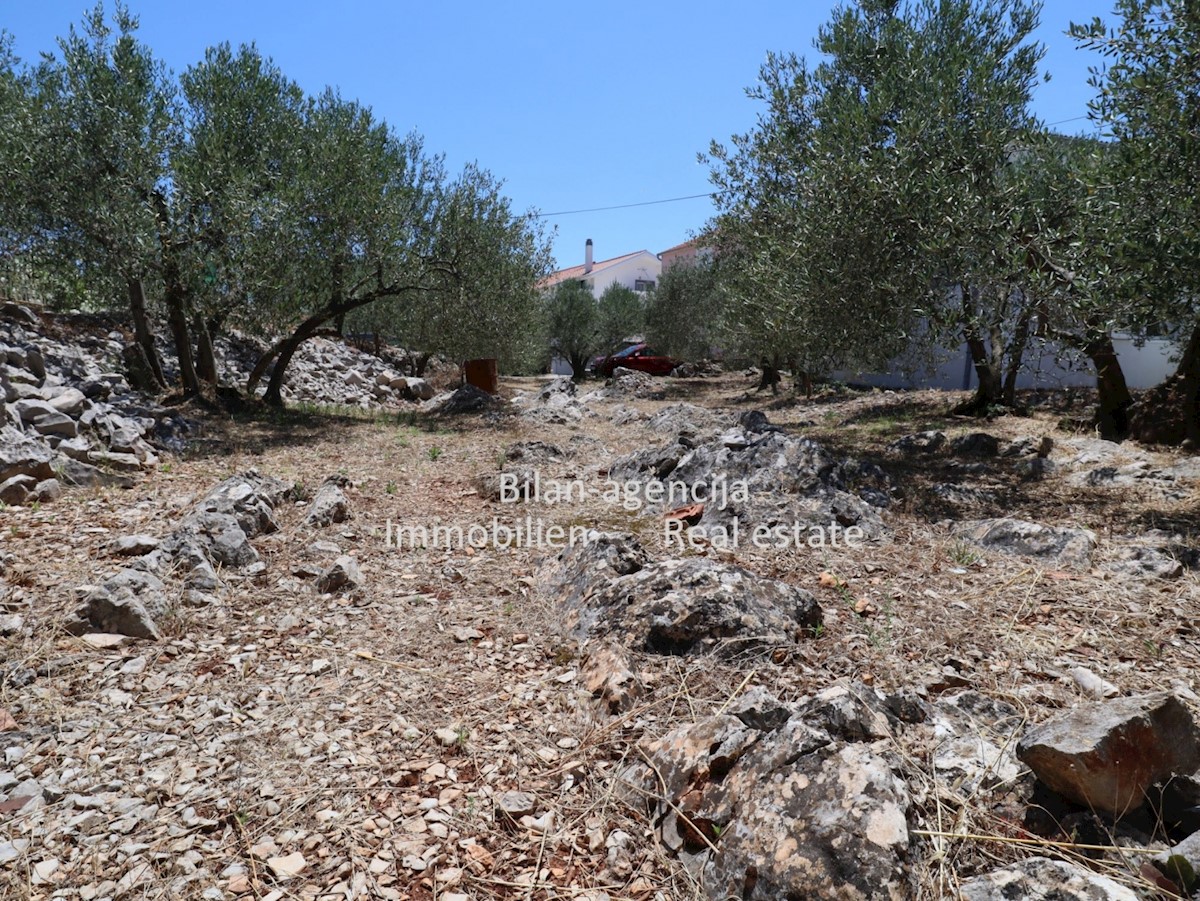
(772, 800)
(68, 415)
(213, 537)
(626, 383)
(1071, 547)
(464, 399)
(556, 404)
(769, 478)
(817, 798)
(609, 587)
(325, 371)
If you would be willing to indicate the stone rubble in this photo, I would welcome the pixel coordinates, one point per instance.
(608, 587)
(1069, 547)
(786, 479)
(1108, 755)
(69, 415)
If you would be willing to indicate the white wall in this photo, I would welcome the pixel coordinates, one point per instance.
(1044, 367)
(644, 266)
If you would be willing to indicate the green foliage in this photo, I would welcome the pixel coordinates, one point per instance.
(101, 120)
(621, 313)
(481, 299)
(874, 201)
(1148, 101)
(573, 321)
(685, 312)
(227, 197)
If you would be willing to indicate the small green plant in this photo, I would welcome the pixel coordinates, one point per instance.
(508, 609)
(434, 452)
(880, 634)
(165, 467)
(963, 555)
(301, 492)
(390, 488)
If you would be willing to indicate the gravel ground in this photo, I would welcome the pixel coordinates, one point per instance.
(281, 743)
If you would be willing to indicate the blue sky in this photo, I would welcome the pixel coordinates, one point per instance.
(576, 105)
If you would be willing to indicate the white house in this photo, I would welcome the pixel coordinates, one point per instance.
(638, 271)
(1145, 363)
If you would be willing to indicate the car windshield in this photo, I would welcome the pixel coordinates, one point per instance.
(629, 351)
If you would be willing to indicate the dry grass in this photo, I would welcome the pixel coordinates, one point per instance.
(311, 719)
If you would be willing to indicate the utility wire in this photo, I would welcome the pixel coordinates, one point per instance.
(626, 206)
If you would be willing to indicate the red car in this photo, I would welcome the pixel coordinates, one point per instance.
(639, 357)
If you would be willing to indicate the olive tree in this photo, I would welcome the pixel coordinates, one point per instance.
(1148, 101)
(874, 202)
(684, 312)
(105, 121)
(573, 323)
(621, 314)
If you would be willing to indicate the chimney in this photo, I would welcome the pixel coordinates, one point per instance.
(587, 256)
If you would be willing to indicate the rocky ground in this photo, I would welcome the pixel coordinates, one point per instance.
(222, 678)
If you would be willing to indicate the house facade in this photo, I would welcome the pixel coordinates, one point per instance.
(638, 271)
(687, 253)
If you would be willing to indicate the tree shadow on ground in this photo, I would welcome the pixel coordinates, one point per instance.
(255, 429)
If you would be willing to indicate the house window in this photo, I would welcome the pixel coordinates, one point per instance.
(643, 284)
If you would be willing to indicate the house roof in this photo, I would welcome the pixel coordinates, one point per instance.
(686, 245)
(570, 272)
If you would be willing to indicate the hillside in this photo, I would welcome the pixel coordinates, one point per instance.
(222, 678)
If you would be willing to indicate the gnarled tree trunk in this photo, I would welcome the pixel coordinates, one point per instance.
(206, 359)
(1170, 413)
(1112, 416)
(145, 355)
(770, 377)
(1016, 353)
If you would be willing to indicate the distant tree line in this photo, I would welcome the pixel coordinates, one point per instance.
(900, 194)
(227, 198)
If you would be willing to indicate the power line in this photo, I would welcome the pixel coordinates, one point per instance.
(625, 206)
(1065, 121)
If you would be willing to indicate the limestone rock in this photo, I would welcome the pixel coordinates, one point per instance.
(466, 399)
(676, 606)
(343, 575)
(329, 505)
(15, 491)
(221, 536)
(129, 603)
(920, 443)
(71, 401)
(131, 546)
(46, 491)
(57, 424)
(250, 498)
(418, 389)
(828, 826)
(975, 444)
(607, 672)
(1043, 879)
(23, 456)
(1107, 755)
(1072, 547)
